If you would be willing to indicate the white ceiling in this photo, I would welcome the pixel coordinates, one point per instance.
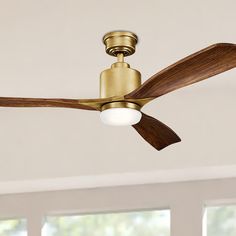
(53, 48)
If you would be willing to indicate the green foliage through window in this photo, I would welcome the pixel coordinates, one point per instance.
(221, 221)
(148, 223)
(14, 227)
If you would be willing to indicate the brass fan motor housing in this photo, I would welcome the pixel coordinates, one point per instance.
(119, 80)
(120, 42)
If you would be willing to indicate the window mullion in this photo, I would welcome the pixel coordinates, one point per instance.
(34, 224)
(186, 218)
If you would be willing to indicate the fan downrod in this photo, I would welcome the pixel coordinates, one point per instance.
(120, 42)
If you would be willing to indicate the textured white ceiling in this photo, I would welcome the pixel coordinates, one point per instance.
(53, 48)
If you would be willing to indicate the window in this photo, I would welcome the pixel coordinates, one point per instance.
(186, 201)
(148, 223)
(221, 221)
(14, 227)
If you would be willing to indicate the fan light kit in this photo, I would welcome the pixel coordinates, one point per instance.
(122, 95)
(120, 116)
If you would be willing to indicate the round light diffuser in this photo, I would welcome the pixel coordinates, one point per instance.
(120, 116)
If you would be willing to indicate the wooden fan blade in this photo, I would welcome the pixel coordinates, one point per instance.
(201, 65)
(155, 132)
(86, 104)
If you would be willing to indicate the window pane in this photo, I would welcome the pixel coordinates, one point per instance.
(221, 221)
(15, 227)
(148, 223)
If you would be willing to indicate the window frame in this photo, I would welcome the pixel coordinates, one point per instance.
(186, 200)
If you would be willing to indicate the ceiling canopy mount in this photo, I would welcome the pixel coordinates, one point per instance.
(120, 42)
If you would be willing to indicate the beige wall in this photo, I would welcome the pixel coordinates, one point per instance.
(186, 201)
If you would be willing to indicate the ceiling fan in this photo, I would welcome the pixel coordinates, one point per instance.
(122, 95)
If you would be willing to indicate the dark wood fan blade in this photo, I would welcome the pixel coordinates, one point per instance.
(201, 65)
(155, 132)
(44, 102)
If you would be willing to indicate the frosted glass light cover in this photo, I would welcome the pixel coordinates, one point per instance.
(120, 116)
